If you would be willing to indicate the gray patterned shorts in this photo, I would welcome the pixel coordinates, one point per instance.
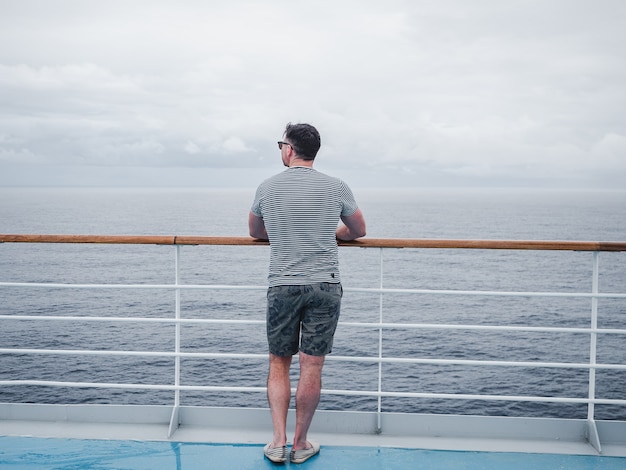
(303, 318)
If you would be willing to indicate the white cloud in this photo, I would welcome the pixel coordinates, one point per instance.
(18, 155)
(610, 152)
(235, 145)
(191, 148)
(76, 77)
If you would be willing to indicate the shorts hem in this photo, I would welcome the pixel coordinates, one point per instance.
(284, 355)
(316, 354)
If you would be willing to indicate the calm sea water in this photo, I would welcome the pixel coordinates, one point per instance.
(433, 213)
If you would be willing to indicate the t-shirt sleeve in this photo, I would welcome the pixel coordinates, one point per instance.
(349, 205)
(256, 205)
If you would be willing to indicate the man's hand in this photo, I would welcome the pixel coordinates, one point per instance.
(257, 227)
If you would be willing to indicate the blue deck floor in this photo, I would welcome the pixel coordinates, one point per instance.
(48, 453)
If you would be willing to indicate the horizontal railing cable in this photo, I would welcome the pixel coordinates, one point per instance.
(372, 290)
(364, 359)
(225, 321)
(364, 393)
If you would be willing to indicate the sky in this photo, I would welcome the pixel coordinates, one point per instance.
(404, 93)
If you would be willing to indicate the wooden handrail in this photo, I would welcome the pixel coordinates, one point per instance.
(563, 245)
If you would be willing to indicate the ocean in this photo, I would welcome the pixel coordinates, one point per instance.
(522, 214)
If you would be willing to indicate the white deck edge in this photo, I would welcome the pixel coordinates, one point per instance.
(337, 428)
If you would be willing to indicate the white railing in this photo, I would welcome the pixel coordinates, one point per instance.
(381, 325)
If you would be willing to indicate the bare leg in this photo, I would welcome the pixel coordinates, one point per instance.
(307, 396)
(278, 396)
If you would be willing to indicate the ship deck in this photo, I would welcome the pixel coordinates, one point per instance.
(34, 453)
(136, 437)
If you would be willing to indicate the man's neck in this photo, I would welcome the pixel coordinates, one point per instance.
(300, 162)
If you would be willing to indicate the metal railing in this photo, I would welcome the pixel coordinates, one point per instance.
(593, 331)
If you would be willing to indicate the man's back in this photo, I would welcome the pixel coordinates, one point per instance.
(301, 208)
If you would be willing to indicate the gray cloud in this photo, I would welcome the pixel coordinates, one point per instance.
(519, 91)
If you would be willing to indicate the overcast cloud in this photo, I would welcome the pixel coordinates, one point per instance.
(485, 92)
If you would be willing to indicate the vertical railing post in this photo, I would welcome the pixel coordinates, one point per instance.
(174, 420)
(592, 431)
(380, 349)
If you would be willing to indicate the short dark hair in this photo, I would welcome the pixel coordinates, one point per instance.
(305, 139)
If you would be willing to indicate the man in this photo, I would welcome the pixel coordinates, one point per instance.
(298, 211)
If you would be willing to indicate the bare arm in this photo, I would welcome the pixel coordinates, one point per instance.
(257, 227)
(353, 227)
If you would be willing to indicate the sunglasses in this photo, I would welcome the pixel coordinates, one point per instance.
(281, 143)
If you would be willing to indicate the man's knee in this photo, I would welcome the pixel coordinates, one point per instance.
(311, 362)
(279, 364)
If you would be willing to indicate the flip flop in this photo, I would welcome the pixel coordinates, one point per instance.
(275, 454)
(302, 455)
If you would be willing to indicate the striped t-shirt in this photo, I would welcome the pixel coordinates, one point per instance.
(300, 208)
